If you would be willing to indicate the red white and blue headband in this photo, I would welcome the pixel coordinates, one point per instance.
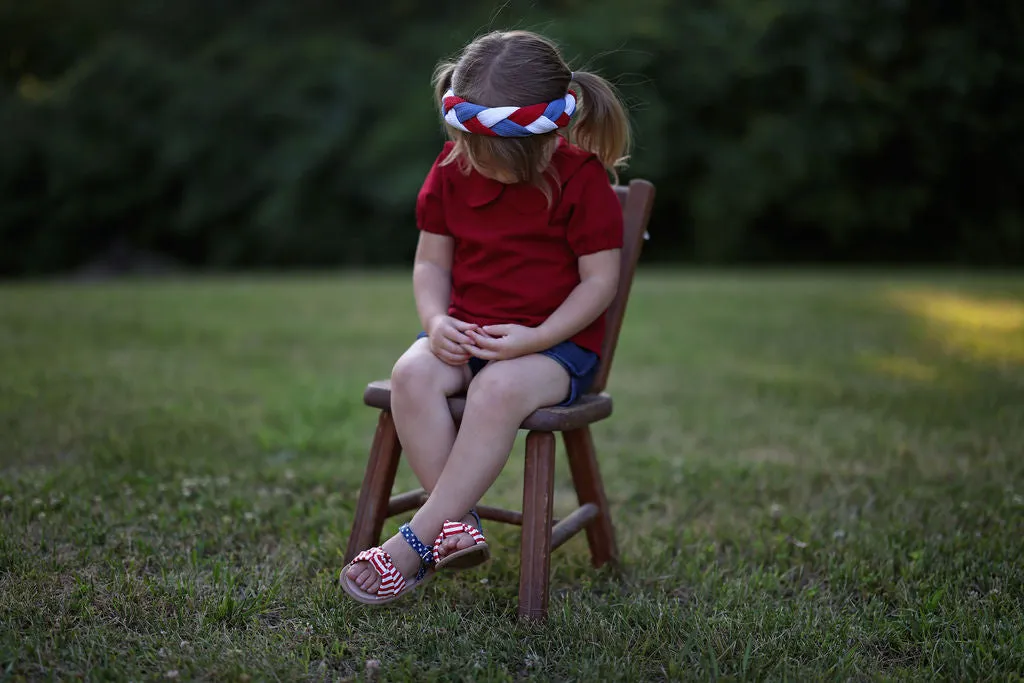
(508, 122)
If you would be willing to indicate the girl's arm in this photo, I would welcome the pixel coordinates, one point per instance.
(432, 276)
(432, 288)
(599, 281)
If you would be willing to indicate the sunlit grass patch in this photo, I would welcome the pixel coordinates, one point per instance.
(983, 328)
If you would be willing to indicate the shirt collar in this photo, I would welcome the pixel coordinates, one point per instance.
(481, 190)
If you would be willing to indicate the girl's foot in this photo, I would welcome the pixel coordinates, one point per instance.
(461, 545)
(459, 541)
(405, 559)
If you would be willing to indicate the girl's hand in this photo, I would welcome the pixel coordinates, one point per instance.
(448, 339)
(502, 342)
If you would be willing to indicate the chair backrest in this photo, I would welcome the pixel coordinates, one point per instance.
(637, 199)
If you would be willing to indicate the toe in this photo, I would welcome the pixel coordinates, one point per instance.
(463, 541)
(365, 577)
(357, 572)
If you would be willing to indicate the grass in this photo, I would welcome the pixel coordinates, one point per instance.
(812, 477)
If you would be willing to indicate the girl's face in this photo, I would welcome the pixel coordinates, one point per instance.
(500, 175)
(494, 168)
(489, 167)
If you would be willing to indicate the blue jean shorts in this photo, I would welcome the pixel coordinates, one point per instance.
(581, 364)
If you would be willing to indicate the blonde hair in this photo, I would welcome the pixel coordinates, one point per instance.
(520, 68)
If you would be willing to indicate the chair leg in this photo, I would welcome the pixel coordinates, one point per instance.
(538, 499)
(372, 508)
(586, 477)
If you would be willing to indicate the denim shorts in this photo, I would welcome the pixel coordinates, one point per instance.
(580, 363)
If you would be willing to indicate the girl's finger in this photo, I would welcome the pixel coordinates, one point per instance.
(481, 353)
(451, 346)
(462, 326)
(497, 330)
(450, 358)
(485, 342)
(456, 336)
(445, 344)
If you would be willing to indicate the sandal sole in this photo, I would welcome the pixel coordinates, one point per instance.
(467, 558)
(359, 595)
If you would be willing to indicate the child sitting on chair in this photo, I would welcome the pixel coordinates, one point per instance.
(518, 258)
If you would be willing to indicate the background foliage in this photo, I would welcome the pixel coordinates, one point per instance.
(259, 133)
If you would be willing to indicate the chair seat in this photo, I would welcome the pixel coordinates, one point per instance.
(587, 409)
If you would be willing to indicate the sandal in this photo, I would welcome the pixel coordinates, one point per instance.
(392, 585)
(473, 556)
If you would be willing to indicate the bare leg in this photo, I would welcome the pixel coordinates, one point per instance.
(500, 398)
(420, 385)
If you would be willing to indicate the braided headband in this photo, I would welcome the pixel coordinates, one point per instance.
(508, 122)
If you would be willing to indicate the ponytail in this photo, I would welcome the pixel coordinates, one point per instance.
(602, 125)
(442, 80)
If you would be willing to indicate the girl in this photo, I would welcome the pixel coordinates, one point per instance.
(518, 258)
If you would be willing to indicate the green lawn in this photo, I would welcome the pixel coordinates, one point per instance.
(811, 477)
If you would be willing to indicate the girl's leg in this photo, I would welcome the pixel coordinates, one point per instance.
(499, 398)
(420, 385)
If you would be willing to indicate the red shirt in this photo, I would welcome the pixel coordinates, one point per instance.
(516, 259)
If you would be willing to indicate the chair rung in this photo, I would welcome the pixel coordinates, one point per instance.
(410, 500)
(500, 515)
(403, 502)
(571, 525)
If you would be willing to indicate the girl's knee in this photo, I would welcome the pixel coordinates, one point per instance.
(415, 373)
(499, 391)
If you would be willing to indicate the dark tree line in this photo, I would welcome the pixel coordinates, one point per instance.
(259, 133)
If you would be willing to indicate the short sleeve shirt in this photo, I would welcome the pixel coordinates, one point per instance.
(516, 258)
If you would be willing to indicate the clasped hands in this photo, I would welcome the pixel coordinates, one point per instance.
(455, 341)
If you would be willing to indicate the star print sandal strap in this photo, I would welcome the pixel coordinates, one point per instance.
(474, 555)
(425, 552)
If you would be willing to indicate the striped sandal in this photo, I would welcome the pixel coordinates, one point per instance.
(473, 556)
(392, 585)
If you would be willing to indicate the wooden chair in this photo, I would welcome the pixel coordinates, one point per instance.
(540, 532)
